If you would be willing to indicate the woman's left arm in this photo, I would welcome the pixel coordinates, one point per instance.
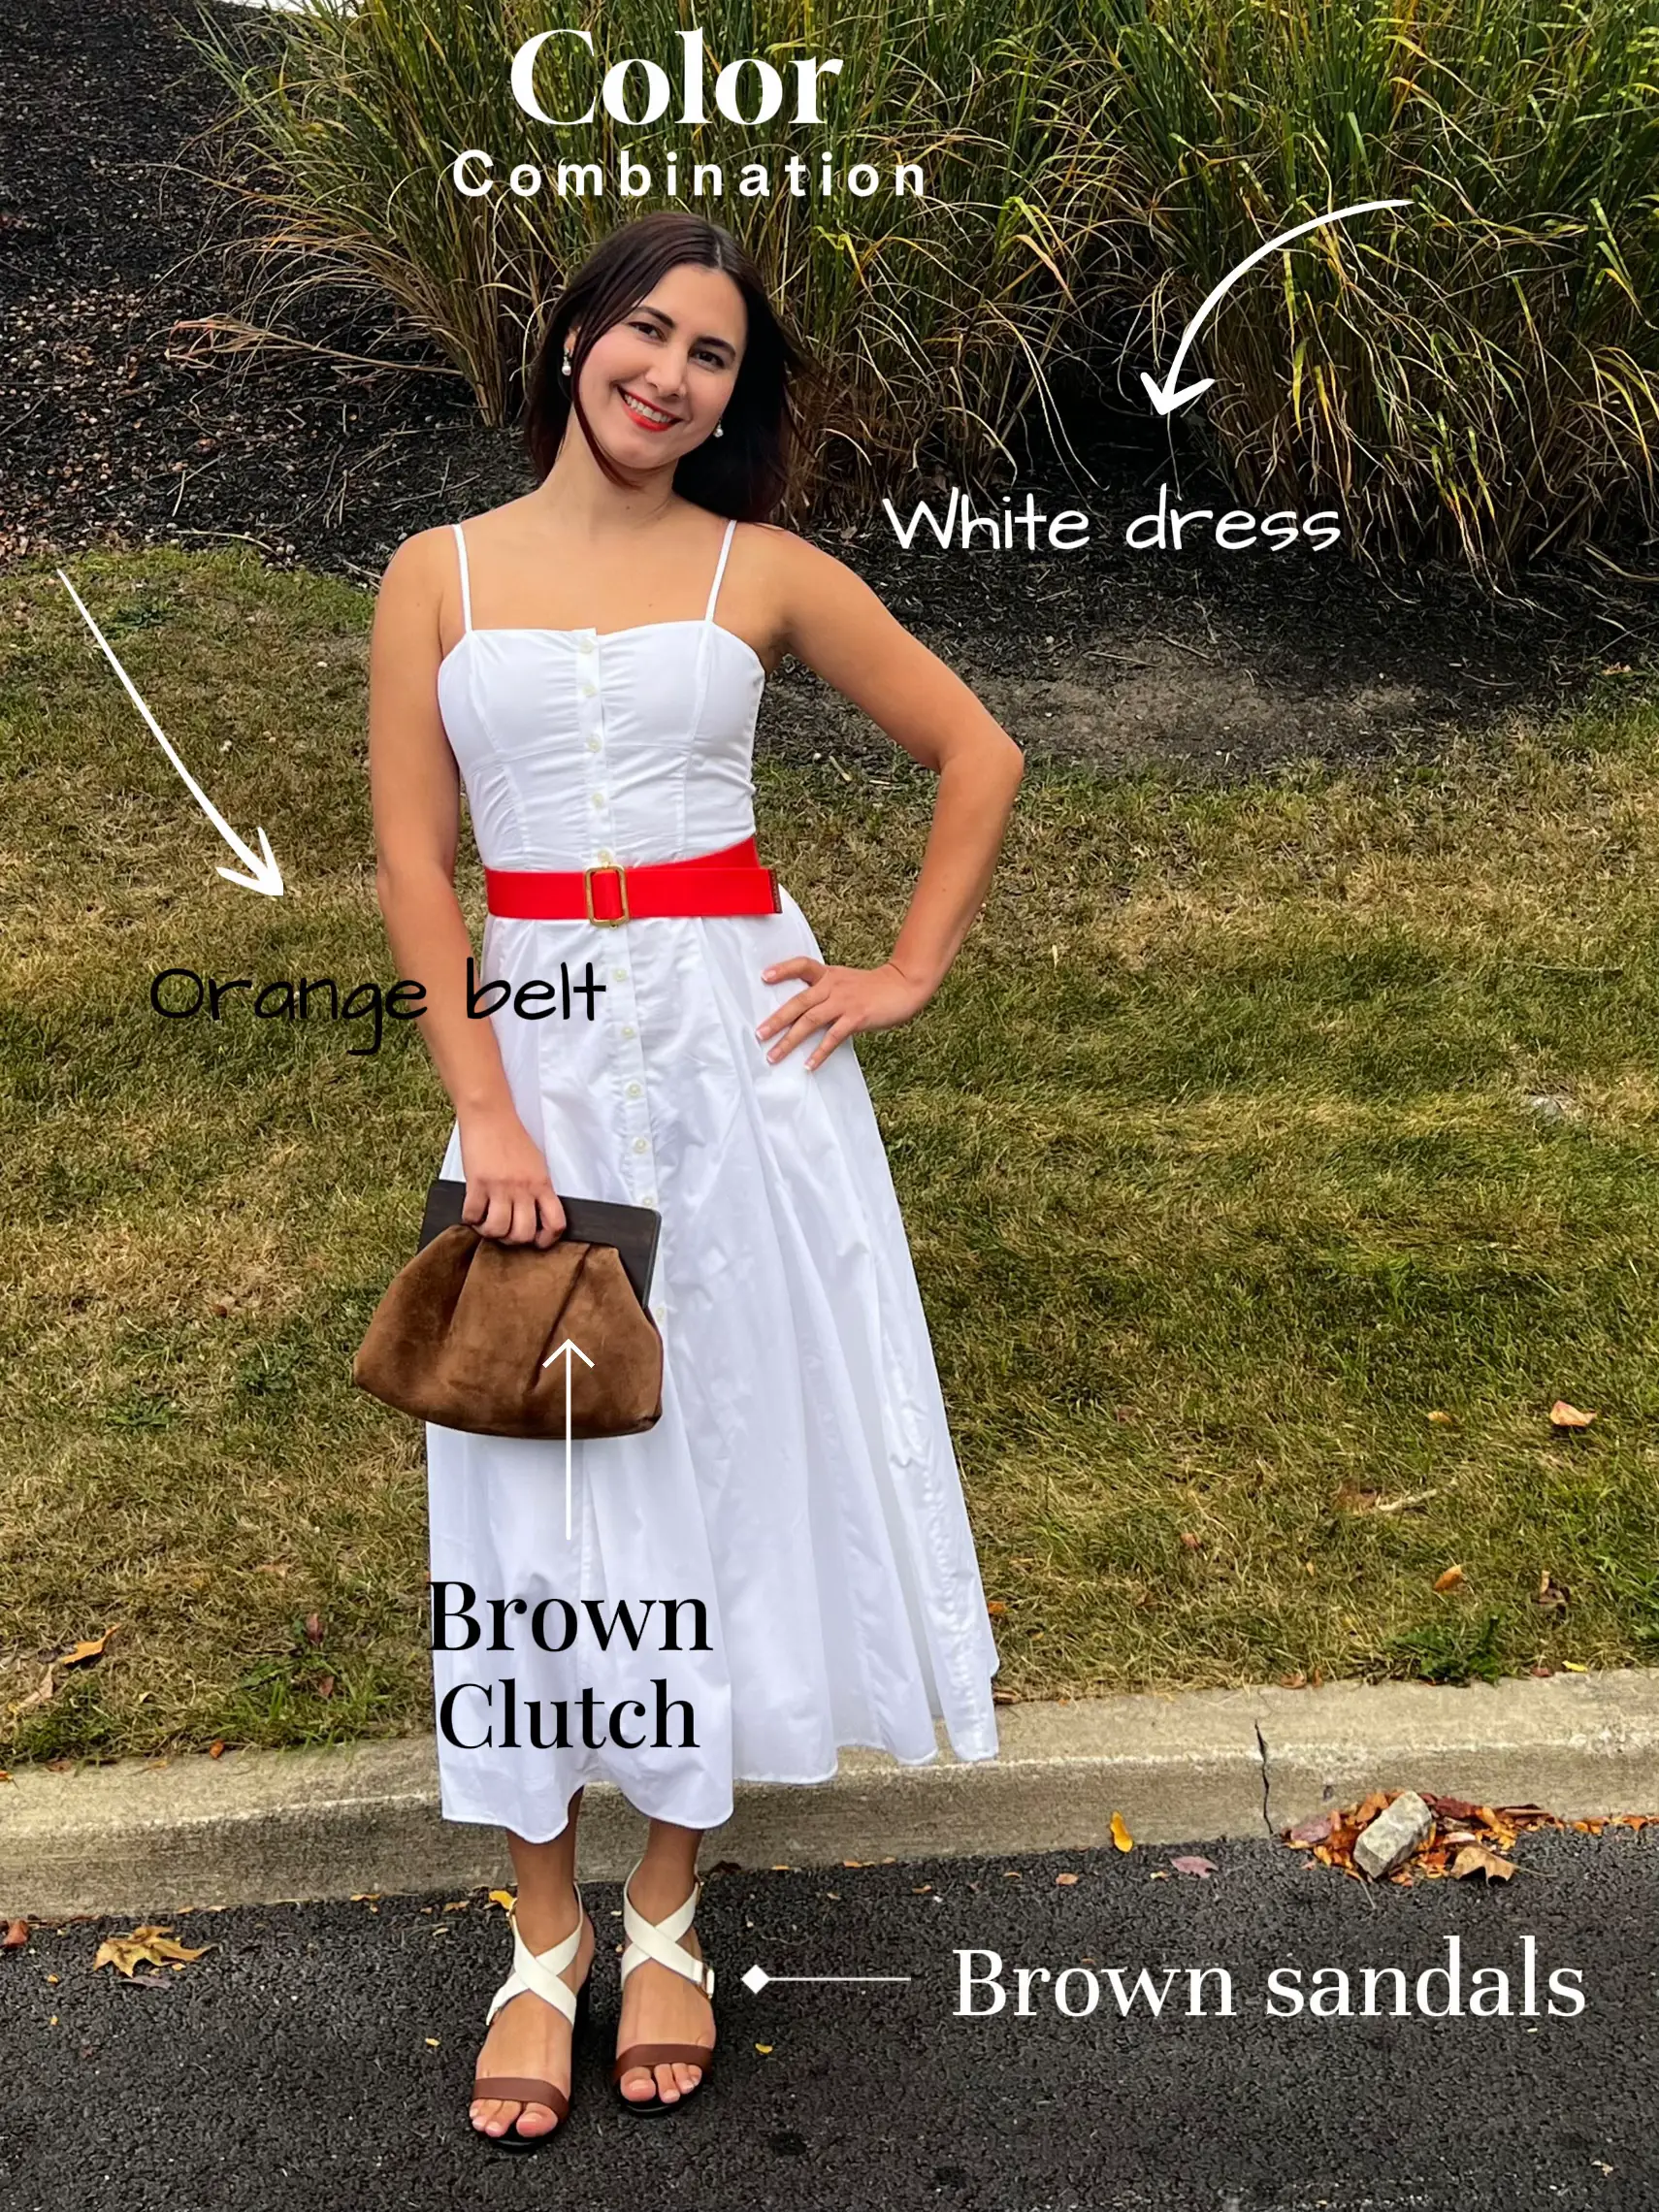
(837, 626)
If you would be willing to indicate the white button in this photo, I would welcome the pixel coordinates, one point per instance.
(586, 645)
(634, 1090)
(588, 689)
(595, 744)
(628, 1029)
(620, 975)
(598, 798)
(647, 1199)
(607, 859)
(640, 1145)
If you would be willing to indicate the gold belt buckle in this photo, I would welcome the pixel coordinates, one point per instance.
(606, 921)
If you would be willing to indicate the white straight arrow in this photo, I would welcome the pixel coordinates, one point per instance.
(569, 1346)
(267, 876)
(757, 1978)
(1164, 397)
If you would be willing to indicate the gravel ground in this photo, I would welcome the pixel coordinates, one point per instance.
(120, 427)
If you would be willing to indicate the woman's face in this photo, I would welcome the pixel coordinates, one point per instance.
(657, 382)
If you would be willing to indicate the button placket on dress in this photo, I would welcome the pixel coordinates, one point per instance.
(627, 1054)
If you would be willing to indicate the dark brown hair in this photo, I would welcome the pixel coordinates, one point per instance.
(744, 472)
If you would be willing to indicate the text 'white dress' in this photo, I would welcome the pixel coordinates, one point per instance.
(800, 1482)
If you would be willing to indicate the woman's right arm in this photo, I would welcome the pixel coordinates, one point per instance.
(416, 790)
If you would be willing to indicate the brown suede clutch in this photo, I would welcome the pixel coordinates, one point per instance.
(466, 1333)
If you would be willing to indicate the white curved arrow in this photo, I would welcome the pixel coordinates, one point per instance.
(267, 876)
(1164, 397)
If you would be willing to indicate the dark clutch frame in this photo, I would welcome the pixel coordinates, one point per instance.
(631, 1230)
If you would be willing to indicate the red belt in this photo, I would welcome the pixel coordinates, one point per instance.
(732, 881)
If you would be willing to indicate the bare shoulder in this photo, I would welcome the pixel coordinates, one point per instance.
(808, 592)
(430, 556)
(416, 569)
(786, 554)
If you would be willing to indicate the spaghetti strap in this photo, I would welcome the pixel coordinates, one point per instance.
(466, 581)
(714, 593)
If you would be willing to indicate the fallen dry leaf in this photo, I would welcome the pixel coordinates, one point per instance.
(216, 1749)
(1549, 1592)
(1450, 1807)
(1192, 1864)
(16, 1937)
(1312, 1831)
(313, 1628)
(996, 1608)
(1449, 1579)
(1477, 1859)
(1005, 1697)
(91, 1649)
(764, 2049)
(502, 1898)
(151, 1945)
(1292, 1681)
(1121, 1835)
(1065, 1881)
(1565, 1416)
(36, 1697)
(1190, 1542)
(325, 1686)
(1442, 1419)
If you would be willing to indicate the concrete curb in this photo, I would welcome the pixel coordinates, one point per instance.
(266, 1827)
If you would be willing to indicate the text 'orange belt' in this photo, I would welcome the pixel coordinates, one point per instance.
(732, 881)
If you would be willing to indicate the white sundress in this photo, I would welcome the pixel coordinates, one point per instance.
(800, 1482)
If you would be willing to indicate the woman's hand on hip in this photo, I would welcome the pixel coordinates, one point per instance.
(507, 1184)
(841, 1001)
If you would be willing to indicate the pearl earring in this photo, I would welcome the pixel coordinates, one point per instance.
(719, 430)
(565, 365)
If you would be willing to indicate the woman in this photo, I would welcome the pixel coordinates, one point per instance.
(799, 1497)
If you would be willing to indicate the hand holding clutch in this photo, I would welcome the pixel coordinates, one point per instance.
(464, 1329)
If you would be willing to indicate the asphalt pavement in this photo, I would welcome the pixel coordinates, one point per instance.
(320, 2055)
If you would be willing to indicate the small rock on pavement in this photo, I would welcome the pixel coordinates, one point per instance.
(1394, 1835)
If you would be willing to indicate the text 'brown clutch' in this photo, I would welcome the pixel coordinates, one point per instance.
(461, 1336)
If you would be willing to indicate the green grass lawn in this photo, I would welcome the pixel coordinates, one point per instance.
(1255, 1126)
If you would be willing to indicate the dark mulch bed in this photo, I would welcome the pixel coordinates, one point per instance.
(117, 427)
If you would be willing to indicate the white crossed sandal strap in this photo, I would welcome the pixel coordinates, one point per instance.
(659, 1942)
(539, 1971)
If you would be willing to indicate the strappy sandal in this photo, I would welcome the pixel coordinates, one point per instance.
(541, 1972)
(659, 1941)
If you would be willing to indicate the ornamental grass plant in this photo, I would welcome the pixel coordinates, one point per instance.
(932, 316)
(1478, 371)
(1474, 375)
